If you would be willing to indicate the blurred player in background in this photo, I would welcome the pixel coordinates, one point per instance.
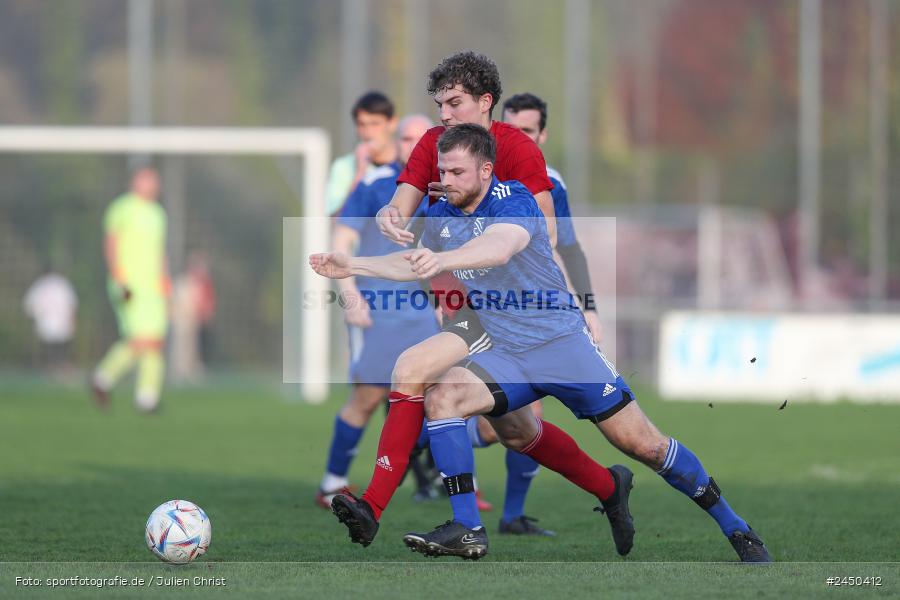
(138, 286)
(373, 116)
(466, 87)
(377, 337)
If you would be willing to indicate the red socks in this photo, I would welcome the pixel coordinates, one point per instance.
(556, 450)
(552, 448)
(398, 438)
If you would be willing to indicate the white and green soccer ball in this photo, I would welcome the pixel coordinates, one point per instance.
(178, 531)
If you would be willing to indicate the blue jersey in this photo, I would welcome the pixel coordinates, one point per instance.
(565, 229)
(525, 302)
(375, 191)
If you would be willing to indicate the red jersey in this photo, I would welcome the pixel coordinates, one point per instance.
(518, 158)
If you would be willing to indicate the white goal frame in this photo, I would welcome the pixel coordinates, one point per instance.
(313, 145)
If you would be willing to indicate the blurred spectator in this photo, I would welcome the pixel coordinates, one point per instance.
(193, 308)
(51, 303)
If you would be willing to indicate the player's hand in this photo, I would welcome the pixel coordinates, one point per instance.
(333, 265)
(356, 309)
(424, 262)
(391, 224)
(436, 190)
(362, 153)
(593, 323)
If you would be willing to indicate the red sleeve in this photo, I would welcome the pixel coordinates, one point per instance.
(421, 168)
(527, 166)
(519, 158)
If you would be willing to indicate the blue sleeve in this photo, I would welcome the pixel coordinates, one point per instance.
(520, 208)
(565, 229)
(357, 209)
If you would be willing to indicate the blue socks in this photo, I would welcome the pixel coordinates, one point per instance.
(520, 470)
(452, 451)
(343, 447)
(471, 429)
(682, 470)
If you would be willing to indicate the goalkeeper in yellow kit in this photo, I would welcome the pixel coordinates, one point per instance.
(138, 285)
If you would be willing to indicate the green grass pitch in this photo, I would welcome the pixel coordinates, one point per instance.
(820, 483)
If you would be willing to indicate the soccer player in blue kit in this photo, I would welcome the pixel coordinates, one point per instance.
(492, 235)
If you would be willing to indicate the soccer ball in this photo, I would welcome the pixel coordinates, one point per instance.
(178, 531)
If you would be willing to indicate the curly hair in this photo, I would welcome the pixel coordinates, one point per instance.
(475, 73)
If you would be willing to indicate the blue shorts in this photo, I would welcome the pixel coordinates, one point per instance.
(571, 368)
(374, 350)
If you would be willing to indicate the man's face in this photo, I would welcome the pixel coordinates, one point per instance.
(527, 121)
(145, 184)
(410, 135)
(456, 106)
(464, 178)
(375, 130)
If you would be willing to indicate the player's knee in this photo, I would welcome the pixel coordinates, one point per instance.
(514, 436)
(407, 369)
(656, 453)
(514, 441)
(443, 401)
(650, 450)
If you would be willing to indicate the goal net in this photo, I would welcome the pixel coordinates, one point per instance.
(230, 204)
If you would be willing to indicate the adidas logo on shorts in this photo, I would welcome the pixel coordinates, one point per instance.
(463, 324)
(607, 390)
(445, 232)
(384, 463)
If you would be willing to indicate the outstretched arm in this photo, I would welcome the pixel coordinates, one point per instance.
(336, 265)
(493, 248)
